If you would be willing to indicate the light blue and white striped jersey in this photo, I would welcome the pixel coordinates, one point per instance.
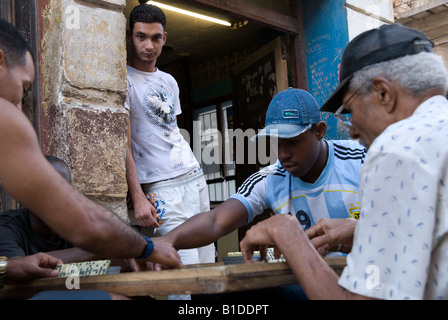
(333, 195)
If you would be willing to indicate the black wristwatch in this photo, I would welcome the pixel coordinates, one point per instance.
(3, 263)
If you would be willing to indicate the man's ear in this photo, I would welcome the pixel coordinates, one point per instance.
(321, 129)
(385, 92)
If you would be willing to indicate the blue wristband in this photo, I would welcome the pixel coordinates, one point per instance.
(148, 250)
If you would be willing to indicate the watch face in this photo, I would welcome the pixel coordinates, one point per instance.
(2, 263)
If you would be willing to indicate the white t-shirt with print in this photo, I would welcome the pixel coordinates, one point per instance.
(160, 151)
(400, 248)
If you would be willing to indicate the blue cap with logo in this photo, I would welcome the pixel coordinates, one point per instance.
(290, 113)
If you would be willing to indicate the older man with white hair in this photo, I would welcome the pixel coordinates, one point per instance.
(394, 86)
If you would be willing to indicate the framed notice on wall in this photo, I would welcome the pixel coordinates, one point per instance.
(255, 82)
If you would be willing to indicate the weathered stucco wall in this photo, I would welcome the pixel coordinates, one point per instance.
(430, 17)
(83, 69)
(329, 26)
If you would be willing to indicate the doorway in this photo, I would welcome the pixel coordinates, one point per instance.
(209, 62)
(22, 14)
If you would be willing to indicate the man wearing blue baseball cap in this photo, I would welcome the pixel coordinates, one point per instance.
(395, 88)
(313, 178)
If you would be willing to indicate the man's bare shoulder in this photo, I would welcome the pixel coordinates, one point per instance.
(14, 122)
(9, 112)
(18, 141)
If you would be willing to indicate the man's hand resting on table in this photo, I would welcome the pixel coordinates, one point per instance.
(36, 266)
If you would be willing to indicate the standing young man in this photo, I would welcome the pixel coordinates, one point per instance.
(160, 165)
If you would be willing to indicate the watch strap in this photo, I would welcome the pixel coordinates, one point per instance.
(148, 250)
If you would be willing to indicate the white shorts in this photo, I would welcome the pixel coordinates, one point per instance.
(177, 200)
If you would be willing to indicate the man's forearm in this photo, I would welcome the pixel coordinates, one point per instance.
(116, 239)
(75, 255)
(134, 187)
(315, 276)
(317, 279)
(85, 223)
(193, 233)
(313, 273)
(207, 227)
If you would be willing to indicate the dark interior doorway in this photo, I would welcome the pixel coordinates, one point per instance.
(22, 14)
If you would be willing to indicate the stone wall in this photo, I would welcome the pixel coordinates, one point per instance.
(83, 83)
(428, 16)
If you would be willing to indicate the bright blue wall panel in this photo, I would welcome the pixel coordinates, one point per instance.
(326, 34)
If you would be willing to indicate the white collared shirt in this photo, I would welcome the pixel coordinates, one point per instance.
(400, 248)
